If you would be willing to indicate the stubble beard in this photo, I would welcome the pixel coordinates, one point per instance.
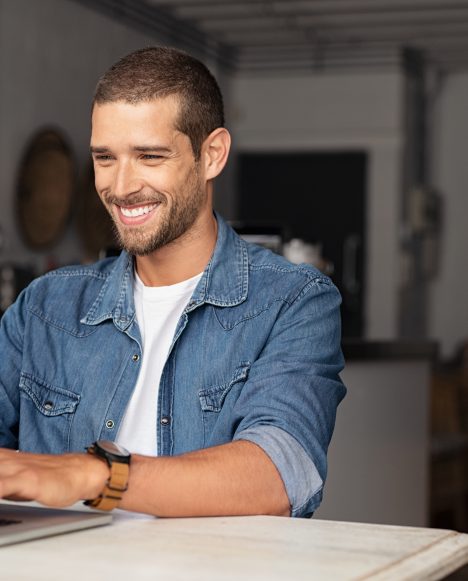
(173, 222)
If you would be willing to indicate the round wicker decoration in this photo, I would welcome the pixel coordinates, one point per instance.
(45, 189)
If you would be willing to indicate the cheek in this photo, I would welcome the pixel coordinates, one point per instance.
(159, 176)
(102, 180)
(164, 180)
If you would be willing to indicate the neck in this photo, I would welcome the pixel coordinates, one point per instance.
(183, 258)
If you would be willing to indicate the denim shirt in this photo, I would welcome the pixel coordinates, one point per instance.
(255, 356)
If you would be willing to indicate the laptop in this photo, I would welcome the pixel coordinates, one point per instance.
(23, 522)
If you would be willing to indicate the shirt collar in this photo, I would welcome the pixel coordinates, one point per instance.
(115, 299)
(224, 282)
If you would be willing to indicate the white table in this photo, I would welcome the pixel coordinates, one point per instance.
(237, 548)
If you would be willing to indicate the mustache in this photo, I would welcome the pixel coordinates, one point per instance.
(136, 199)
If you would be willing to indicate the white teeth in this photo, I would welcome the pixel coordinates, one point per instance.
(135, 212)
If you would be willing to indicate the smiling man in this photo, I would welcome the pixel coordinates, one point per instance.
(199, 372)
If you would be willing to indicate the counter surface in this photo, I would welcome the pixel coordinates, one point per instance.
(219, 549)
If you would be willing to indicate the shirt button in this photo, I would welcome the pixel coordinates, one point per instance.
(165, 421)
(48, 405)
(136, 357)
(110, 424)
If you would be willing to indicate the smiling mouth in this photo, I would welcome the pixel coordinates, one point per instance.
(136, 212)
(135, 215)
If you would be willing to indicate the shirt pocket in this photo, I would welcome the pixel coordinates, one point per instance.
(47, 413)
(219, 399)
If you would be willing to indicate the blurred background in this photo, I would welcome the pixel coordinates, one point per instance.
(349, 122)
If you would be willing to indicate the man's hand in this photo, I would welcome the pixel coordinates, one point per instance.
(49, 479)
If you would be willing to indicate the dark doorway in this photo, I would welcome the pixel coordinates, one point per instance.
(319, 198)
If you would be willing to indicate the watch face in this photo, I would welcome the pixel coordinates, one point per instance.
(113, 448)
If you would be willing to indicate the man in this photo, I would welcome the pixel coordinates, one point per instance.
(213, 361)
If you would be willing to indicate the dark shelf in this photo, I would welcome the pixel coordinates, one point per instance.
(355, 349)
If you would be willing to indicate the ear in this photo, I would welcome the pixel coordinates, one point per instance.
(215, 151)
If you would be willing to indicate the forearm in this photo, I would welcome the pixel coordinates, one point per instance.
(232, 479)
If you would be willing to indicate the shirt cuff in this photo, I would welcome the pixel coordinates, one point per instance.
(300, 476)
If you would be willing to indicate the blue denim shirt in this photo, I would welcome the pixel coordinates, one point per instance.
(255, 356)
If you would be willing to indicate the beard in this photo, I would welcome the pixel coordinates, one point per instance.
(174, 220)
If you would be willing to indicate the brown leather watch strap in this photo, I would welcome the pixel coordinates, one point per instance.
(114, 487)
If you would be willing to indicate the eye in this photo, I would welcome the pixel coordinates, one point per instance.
(151, 156)
(103, 157)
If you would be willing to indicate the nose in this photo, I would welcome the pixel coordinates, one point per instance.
(126, 180)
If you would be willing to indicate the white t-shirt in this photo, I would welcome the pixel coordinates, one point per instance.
(158, 310)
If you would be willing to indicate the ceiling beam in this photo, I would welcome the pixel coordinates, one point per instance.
(297, 5)
(401, 33)
(209, 12)
(348, 22)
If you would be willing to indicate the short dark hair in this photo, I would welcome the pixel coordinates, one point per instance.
(156, 72)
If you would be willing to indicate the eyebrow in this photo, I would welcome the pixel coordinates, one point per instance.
(98, 149)
(138, 148)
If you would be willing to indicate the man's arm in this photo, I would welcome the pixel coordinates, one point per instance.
(233, 479)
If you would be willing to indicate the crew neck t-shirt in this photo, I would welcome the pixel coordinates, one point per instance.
(158, 310)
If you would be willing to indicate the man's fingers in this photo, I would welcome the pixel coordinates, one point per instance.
(21, 484)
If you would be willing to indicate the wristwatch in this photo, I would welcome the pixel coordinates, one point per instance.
(118, 460)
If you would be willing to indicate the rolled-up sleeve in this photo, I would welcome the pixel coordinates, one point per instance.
(301, 479)
(288, 404)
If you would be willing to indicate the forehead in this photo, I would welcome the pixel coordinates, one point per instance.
(120, 119)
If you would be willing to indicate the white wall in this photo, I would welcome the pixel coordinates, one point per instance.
(345, 111)
(449, 298)
(379, 455)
